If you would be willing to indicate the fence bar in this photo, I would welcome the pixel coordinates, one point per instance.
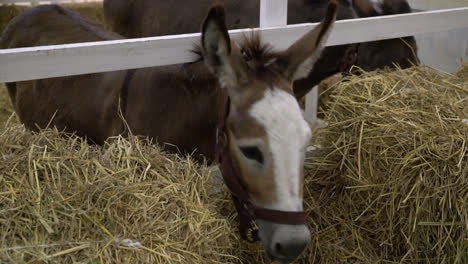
(4, 2)
(273, 13)
(72, 59)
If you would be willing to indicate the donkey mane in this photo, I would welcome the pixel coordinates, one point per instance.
(257, 54)
(87, 24)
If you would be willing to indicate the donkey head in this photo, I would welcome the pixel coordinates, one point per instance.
(266, 132)
(385, 53)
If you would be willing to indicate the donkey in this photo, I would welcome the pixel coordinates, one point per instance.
(142, 18)
(258, 133)
(378, 54)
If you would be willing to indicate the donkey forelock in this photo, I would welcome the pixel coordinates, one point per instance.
(256, 54)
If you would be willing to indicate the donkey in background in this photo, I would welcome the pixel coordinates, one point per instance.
(378, 54)
(142, 18)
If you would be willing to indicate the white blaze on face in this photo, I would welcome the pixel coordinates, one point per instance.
(288, 134)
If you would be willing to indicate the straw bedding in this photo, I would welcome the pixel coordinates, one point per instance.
(66, 201)
(388, 184)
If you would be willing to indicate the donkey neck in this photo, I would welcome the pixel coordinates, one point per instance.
(175, 105)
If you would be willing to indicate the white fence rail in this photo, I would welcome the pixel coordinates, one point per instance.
(40, 1)
(81, 58)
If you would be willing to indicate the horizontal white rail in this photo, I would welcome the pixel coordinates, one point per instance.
(72, 59)
(37, 1)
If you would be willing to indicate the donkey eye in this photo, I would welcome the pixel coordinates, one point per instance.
(252, 153)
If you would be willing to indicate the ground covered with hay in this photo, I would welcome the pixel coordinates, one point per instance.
(389, 184)
(65, 201)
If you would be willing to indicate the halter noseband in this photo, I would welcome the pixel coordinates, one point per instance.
(246, 211)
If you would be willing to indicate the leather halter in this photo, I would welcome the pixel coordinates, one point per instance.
(246, 211)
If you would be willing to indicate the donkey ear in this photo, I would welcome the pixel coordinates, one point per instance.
(217, 49)
(298, 60)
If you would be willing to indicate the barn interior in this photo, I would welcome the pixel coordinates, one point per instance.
(386, 182)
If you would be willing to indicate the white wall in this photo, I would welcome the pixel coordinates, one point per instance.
(442, 50)
(437, 4)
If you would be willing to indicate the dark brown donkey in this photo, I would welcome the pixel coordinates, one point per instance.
(378, 54)
(259, 127)
(143, 18)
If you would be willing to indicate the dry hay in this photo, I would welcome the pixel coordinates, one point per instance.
(325, 90)
(65, 201)
(389, 184)
(463, 71)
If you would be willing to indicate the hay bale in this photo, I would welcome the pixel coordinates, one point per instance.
(325, 90)
(390, 183)
(127, 202)
(463, 71)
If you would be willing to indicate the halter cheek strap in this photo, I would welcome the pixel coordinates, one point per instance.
(246, 211)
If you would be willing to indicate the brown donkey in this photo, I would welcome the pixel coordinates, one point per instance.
(260, 132)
